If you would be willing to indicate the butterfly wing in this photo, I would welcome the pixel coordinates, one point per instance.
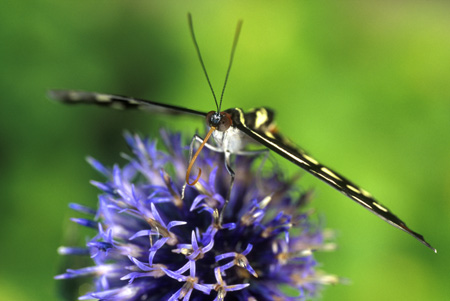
(118, 102)
(289, 151)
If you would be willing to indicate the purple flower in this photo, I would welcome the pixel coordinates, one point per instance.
(153, 244)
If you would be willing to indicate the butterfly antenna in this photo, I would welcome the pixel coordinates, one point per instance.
(233, 49)
(191, 28)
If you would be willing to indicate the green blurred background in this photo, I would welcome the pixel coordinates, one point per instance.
(362, 86)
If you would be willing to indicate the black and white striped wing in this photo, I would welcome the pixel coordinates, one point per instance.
(118, 102)
(299, 157)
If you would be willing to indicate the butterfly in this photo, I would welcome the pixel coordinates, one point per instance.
(233, 129)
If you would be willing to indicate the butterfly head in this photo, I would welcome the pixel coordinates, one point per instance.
(216, 121)
(220, 121)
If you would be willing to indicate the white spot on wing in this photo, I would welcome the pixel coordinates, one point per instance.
(74, 95)
(365, 193)
(102, 98)
(311, 159)
(241, 116)
(261, 117)
(269, 134)
(352, 188)
(329, 172)
(133, 102)
(380, 207)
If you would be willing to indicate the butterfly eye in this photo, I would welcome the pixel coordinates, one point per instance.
(220, 121)
(225, 122)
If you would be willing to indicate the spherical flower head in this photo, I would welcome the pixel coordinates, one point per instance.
(158, 239)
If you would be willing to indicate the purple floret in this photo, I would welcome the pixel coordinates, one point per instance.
(153, 244)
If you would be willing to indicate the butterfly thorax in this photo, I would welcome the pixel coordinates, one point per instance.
(231, 140)
(234, 140)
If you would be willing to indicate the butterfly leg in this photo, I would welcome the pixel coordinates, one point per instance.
(232, 173)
